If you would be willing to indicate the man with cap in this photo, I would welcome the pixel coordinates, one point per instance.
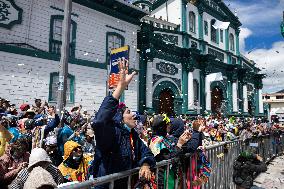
(37, 158)
(52, 150)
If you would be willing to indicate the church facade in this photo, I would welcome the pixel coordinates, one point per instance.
(190, 65)
(187, 64)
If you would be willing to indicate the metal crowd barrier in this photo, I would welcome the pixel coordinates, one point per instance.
(222, 165)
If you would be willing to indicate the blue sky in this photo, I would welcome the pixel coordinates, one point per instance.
(260, 37)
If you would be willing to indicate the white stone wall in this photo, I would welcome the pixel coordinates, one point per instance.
(90, 45)
(174, 11)
(90, 35)
(275, 107)
(22, 83)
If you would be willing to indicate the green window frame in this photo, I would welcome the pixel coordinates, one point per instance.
(206, 28)
(55, 35)
(232, 42)
(213, 31)
(196, 91)
(53, 88)
(221, 36)
(113, 40)
(192, 22)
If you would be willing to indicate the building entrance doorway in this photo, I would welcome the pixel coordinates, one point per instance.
(166, 102)
(216, 100)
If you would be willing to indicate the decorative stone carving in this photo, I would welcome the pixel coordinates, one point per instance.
(10, 14)
(213, 5)
(168, 38)
(157, 77)
(220, 56)
(167, 68)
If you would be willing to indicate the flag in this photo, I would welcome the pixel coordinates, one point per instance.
(116, 56)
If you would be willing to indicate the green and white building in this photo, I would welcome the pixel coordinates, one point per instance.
(30, 41)
(186, 66)
(192, 66)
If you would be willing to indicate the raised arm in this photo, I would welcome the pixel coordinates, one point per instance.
(103, 122)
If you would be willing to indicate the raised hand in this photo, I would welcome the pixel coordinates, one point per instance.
(124, 78)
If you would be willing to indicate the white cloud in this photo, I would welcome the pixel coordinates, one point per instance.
(244, 33)
(259, 15)
(271, 62)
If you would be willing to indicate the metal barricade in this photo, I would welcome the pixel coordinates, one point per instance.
(222, 167)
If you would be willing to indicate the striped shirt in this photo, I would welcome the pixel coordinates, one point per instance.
(19, 181)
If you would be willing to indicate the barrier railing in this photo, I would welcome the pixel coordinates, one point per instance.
(220, 155)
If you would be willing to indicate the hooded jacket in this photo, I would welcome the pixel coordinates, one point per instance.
(72, 174)
(114, 152)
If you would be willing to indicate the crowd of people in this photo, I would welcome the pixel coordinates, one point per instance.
(39, 149)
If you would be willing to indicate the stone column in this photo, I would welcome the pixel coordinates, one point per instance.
(184, 88)
(149, 86)
(245, 98)
(190, 90)
(235, 96)
(260, 101)
(207, 94)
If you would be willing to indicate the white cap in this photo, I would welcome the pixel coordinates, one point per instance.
(38, 155)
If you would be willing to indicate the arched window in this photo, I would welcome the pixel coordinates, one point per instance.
(213, 31)
(196, 91)
(192, 22)
(232, 42)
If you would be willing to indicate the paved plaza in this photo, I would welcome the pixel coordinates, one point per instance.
(273, 177)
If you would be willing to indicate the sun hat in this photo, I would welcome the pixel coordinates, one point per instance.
(38, 155)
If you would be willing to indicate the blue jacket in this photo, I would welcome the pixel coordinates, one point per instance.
(194, 142)
(113, 147)
(51, 124)
(62, 137)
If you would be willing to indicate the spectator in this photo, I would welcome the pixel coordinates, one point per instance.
(13, 161)
(39, 108)
(38, 158)
(52, 120)
(75, 165)
(52, 150)
(89, 143)
(245, 167)
(196, 137)
(39, 178)
(119, 147)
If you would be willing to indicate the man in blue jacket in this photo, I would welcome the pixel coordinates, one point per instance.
(119, 147)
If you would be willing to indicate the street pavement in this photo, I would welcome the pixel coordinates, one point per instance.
(273, 178)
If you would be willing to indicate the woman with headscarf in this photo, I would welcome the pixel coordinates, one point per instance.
(165, 146)
(118, 146)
